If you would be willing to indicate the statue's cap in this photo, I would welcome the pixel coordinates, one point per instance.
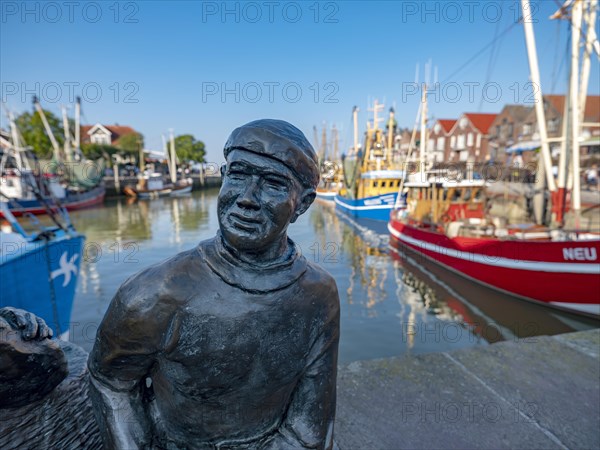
(281, 141)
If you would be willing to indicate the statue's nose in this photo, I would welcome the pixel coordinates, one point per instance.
(249, 197)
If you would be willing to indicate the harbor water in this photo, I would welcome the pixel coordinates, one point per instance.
(392, 303)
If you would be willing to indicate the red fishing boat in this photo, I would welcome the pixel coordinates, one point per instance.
(556, 268)
(553, 260)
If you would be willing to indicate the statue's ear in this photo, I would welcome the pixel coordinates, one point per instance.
(308, 196)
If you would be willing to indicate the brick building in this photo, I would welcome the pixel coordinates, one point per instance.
(469, 138)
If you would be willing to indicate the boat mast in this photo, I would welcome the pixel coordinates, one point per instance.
(315, 136)
(355, 124)
(334, 133)
(16, 144)
(390, 140)
(576, 17)
(55, 146)
(67, 144)
(544, 166)
(173, 166)
(77, 123)
(590, 19)
(323, 149)
(423, 139)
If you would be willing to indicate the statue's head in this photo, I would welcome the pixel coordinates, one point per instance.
(268, 181)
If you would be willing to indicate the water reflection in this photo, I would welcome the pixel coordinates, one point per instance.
(124, 236)
(391, 304)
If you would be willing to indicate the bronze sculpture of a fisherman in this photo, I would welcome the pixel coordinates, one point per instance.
(233, 344)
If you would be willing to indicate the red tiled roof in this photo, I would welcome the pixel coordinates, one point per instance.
(481, 121)
(447, 124)
(117, 131)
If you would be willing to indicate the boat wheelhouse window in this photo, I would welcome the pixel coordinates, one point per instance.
(456, 195)
(467, 195)
(478, 194)
(375, 183)
(445, 194)
(383, 183)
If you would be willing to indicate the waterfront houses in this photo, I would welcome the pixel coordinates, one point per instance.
(438, 144)
(469, 138)
(507, 129)
(104, 134)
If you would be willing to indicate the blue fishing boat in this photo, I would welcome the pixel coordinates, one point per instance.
(371, 179)
(377, 207)
(39, 264)
(38, 273)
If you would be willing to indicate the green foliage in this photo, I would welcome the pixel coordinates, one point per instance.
(131, 143)
(189, 149)
(95, 151)
(31, 127)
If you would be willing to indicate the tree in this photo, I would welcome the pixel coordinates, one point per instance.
(189, 149)
(32, 129)
(95, 151)
(131, 143)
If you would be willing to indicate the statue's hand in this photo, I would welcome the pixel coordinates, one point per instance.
(30, 326)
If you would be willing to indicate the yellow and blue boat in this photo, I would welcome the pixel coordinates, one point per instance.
(371, 177)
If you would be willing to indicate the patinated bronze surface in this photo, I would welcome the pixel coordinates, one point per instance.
(31, 364)
(232, 344)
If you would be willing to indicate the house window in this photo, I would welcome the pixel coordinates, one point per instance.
(100, 139)
(511, 129)
(553, 125)
(527, 128)
(460, 144)
(440, 143)
(453, 142)
(470, 139)
(430, 145)
(497, 131)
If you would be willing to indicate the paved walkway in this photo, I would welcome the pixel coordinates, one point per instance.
(538, 393)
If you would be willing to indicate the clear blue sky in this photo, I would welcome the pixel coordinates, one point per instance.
(170, 57)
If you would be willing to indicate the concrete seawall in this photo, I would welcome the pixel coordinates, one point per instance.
(540, 392)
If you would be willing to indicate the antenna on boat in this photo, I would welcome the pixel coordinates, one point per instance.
(355, 124)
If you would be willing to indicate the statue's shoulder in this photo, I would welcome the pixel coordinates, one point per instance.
(318, 280)
(148, 289)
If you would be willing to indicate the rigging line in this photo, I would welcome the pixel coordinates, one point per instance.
(562, 63)
(556, 58)
(482, 50)
(493, 53)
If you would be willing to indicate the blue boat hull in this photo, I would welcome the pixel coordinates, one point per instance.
(374, 208)
(41, 278)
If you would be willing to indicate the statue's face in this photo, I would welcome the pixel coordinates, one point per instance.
(259, 198)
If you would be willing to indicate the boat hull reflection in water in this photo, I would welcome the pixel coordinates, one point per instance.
(390, 306)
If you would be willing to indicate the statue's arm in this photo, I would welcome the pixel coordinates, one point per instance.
(310, 417)
(120, 362)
